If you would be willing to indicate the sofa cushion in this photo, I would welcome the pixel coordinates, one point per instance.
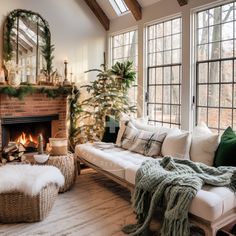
(143, 142)
(212, 202)
(209, 203)
(109, 157)
(225, 155)
(204, 145)
(177, 144)
(124, 118)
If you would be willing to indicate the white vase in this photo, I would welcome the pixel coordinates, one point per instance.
(14, 79)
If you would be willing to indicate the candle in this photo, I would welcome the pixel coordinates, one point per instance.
(2, 76)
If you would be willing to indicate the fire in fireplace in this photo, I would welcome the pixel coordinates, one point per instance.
(25, 130)
(27, 140)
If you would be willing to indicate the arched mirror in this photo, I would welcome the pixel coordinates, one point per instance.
(27, 45)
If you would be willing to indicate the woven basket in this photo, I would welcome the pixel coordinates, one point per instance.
(18, 207)
(67, 165)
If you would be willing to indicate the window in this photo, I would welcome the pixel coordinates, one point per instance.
(164, 72)
(119, 6)
(124, 47)
(215, 67)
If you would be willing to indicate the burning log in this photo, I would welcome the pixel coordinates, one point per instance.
(13, 152)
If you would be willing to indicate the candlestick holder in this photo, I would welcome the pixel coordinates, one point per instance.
(66, 81)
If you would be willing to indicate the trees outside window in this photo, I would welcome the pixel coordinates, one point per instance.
(164, 73)
(124, 46)
(215, 63)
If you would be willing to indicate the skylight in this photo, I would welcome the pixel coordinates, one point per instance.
(119, 6)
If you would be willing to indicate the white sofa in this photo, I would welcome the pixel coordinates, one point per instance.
(211, 209)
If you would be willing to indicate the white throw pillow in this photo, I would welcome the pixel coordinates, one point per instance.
(124, 119)
(151, 128)
(177, 144)
(204, 145)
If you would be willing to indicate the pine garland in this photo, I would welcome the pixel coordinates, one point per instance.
(23, 91)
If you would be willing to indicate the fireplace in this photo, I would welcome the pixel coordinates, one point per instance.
(25, 130)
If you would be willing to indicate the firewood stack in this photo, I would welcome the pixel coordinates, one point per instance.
(13, 152)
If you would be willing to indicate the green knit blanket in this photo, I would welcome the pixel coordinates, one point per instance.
(172, 184)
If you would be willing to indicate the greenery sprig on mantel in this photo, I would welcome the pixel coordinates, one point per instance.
(25, 90)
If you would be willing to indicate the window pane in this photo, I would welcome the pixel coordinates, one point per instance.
(216, 72)
(214, 76)
(202, 52)
(213, 115)
(159, 75)
(202, 115)
(225, 118)
(175, 116)
(227, 71)
(226, 95)
(124, 47)
(213, 95)
(159, 94)
(227, 49)
(175, 75)
(203, 73)
(202, 95)
(167, 82)
(175, 94)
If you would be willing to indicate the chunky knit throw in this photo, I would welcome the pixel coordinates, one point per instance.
(172, 183)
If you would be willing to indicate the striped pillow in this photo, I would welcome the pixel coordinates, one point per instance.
(143, 142)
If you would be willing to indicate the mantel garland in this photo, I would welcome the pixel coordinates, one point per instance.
(22, 91)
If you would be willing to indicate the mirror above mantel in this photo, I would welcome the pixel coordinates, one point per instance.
(27, 49)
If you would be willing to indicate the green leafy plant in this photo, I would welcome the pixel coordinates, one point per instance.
(108, 97)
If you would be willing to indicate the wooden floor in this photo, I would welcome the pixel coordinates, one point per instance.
(95, 206)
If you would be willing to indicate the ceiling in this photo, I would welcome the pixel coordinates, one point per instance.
(111, 14)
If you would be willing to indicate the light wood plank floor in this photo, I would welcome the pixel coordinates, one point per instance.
(95, 206)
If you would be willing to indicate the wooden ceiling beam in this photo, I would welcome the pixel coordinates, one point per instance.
(99, 13)
(135, 8)
(182, 2)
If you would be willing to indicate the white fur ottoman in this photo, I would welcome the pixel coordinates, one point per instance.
(27, 193)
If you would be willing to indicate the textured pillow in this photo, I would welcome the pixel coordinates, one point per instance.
(151, 128)
(143, 142)
(225, 155)
(177, 144)
(204, 145)
(125, 119)
(111, 130)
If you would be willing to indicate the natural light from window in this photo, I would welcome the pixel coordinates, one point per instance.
(215, 61)
(119, 6)
(164, 77)
(124, 46)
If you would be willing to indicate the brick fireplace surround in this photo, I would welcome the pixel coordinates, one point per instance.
(36, 105)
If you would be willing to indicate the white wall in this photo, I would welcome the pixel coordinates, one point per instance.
(157, 11)
(76, 33)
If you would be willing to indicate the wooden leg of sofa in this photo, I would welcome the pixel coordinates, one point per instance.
(78, 167)
(211, 231)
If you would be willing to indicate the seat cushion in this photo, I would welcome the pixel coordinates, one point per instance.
(212, 202)
(209, 203)
(109, 157)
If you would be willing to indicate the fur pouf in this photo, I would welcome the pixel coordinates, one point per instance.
(28, 179)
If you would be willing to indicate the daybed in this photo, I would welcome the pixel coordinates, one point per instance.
(211, 209)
